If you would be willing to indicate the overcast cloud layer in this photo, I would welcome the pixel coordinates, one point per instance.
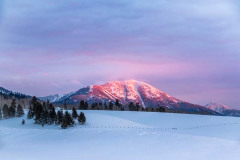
(189, 49)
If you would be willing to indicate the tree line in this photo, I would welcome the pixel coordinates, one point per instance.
(83, 105)
(11, 111)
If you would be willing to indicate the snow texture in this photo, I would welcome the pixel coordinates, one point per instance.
(114, 135)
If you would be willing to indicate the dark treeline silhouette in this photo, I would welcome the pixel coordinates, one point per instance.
(45, 114)
(83, 105)
(6, 94)
(11, 111)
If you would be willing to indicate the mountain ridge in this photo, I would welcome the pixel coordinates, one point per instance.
(223, 109)
(131, 91)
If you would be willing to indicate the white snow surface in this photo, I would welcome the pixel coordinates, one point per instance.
(123, 135)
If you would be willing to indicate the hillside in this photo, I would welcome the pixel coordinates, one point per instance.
(130, 91)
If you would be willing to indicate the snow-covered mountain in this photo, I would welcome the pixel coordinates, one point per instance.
(4, 91)
(126, 92)
(220, 108)
(55, 98)
(223, 109)
(52, 98)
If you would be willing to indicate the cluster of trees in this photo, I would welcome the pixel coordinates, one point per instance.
(117, 106)
(102, 106)
(46, 114)
(13, 111)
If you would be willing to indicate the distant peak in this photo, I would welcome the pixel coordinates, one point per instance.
(214, 106)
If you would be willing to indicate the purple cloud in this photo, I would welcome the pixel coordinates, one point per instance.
(188, 49)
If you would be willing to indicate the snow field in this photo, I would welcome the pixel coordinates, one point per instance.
(125, 135)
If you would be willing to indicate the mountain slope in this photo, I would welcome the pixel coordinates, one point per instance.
(131, 91)
(223, 109)
(9, 94)
(52, 98)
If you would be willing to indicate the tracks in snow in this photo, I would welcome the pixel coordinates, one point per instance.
(159, 128)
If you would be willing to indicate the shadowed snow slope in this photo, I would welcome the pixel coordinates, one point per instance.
(125, 135)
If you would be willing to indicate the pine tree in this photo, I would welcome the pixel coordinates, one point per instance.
(59, 117)
(81, 106)
(117, 103)
(42, 118)
(86, 105)
(38, 112)
(34, 104)
(30, 113)
(46, 117)
(68, 118)
(13, 109)
(105, 106)
(11, 112)
(20, 111)
(110, 105)
(52, 114)
(74, 113)
(23, 122)
(137, 106)
(82, 118)
(64, 124)
(131, 106)
(162, 109)
(48, 104)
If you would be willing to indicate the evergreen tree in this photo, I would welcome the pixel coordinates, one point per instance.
(11, 112)
(74, 113)
(59, 117)
(82, 104)
(94, 106)
(137, 106)
(5, 111)
(13, 105)
(105, 106)
(30, 113)
(68, 118)
(48, 104)
(38, 112)
(162, 109)
(23, 122)
(86, 105)
(42, 118)
(64, 123)
(44, 105)
(20, 111)
(117, 103)
(82, 118)
(131, 106)
(46, 117)
(34, 104)
(52, 114)
(110, 105)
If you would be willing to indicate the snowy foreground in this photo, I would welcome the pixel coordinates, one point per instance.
(112, 135)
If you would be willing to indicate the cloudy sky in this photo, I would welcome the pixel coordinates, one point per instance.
(189, 49)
